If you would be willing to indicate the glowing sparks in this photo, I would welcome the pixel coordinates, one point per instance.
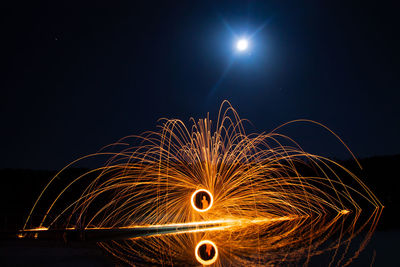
(38, 229)
(344, 212)
(266, 198)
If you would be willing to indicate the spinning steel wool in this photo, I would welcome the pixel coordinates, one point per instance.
(267, 201)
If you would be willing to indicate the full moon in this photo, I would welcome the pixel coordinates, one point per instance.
(242, 45)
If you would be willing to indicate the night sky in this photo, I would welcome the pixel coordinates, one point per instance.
(80, 76)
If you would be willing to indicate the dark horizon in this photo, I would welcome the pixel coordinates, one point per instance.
(81, 76)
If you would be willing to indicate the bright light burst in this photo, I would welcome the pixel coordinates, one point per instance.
(273, 200)
(242, 44)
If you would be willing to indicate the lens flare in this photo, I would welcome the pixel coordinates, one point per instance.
(259, 196)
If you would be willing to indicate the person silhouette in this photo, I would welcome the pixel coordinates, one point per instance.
(204, 203)
(208, 249)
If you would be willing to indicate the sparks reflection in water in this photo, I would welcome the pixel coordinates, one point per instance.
(279, 204)
(206, 252)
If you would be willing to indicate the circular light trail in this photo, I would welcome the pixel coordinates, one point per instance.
(202, 200)
(206, 252)
(242, 44)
